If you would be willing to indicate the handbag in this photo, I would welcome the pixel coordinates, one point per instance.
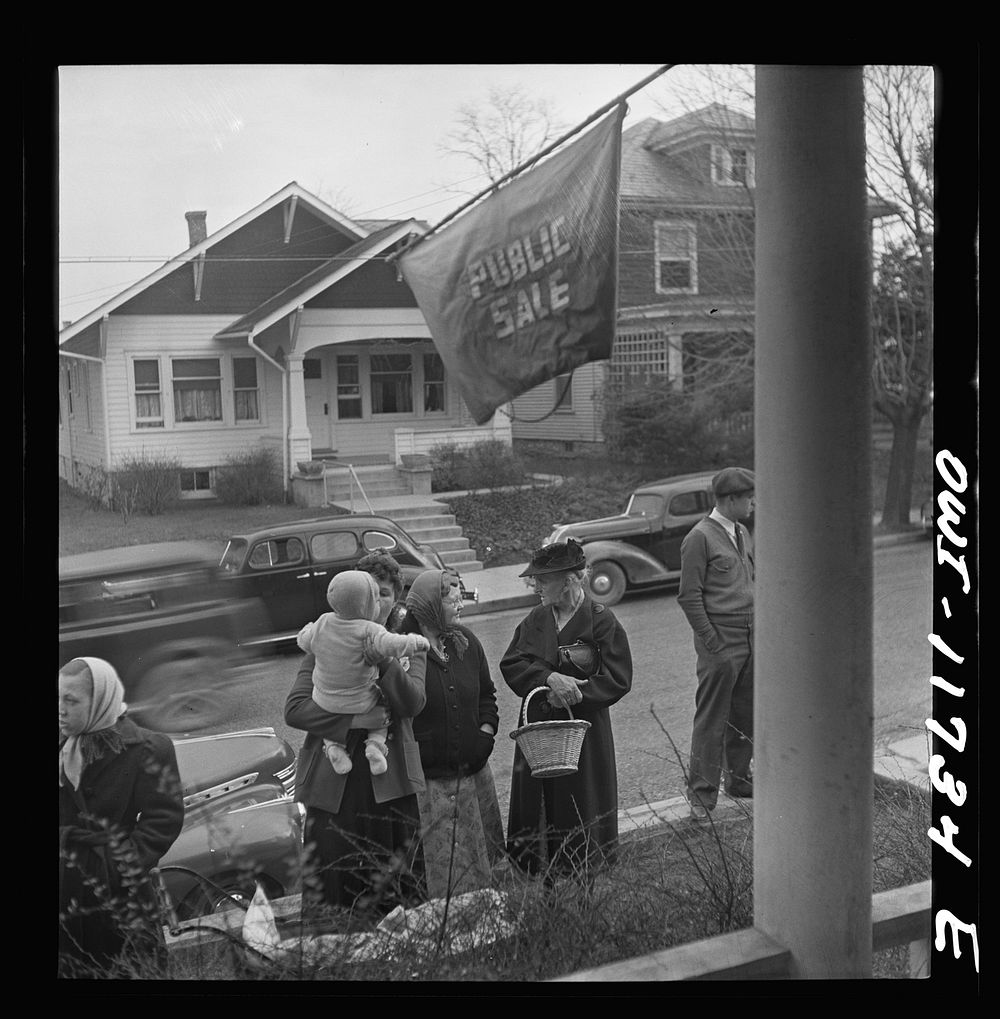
(580, 659)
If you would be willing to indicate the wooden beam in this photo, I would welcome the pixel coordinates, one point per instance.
(901, 915)
(289, 212)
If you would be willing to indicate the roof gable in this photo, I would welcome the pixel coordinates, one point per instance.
(318, 229)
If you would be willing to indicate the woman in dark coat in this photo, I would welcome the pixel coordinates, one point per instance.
(460, 821)
(120, 809)
(361, 830)
(568, 824)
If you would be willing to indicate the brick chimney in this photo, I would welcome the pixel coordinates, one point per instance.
(197, 230)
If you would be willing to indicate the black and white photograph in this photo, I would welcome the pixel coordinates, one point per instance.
(594, 415)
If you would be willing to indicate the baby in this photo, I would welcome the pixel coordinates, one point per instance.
(348, 644)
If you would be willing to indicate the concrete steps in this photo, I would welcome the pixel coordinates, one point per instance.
(425, 520)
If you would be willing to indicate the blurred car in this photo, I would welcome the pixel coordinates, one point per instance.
(287, 568)
(160, 614)
(241, 824)
(927, 518)
(640, 548)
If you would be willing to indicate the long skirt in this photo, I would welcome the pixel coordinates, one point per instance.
(364, 857)
(461, 833)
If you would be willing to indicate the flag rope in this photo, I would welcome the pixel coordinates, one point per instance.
(413, 242)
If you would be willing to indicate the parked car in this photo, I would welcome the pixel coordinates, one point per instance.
(161, 615)
(640, 548)
(287, 567)
(241, 824)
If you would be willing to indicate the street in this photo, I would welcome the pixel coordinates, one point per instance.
(660, 707)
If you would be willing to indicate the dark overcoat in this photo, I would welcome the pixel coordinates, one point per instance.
(581, 810)
(113, 830)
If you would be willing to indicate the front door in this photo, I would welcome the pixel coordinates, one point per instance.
(317, 386)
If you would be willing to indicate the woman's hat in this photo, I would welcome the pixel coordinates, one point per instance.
(558, 557)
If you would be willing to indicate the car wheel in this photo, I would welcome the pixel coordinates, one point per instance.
(607, 583)
(182, 688)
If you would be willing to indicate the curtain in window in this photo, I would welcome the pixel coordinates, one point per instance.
(246, 405)
(147, 405)
(197, 404)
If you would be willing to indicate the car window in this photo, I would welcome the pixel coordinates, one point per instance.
(685, 504)
(232, 558)
(378, 539)
(333, 545)
(277, 552)
(643, 504)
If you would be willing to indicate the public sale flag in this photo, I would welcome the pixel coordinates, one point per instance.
(523, 287)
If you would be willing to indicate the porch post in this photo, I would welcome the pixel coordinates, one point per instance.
(675, 360)
(813, 752)
(299, 437)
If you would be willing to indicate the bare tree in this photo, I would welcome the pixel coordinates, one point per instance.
(899, 104)
(506, 130)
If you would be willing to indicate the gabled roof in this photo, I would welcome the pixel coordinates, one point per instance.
(351, 229)
(714, 122)
(319, 279)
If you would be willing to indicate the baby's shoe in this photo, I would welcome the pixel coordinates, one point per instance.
(376, 752)
(339, 758)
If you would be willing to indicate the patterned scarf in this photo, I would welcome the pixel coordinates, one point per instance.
(106, 707)
(426, 601)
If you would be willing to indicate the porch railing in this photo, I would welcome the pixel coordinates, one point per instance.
(354, 479)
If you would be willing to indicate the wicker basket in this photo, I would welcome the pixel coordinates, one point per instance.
(550, 748)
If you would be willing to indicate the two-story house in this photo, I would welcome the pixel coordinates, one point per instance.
(289, 327)
(685, 277)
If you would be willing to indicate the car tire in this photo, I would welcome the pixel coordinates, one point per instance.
(607, 583)
(182, 687)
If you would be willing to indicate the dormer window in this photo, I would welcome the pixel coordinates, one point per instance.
(732, 166)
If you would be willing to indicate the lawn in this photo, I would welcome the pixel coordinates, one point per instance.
(503, 526)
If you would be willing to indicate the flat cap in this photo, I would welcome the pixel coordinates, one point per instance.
(733, 481)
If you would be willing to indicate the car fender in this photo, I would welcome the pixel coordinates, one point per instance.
(639, 566)
(258, 829)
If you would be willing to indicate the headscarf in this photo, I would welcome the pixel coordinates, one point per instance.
(353, 594)
(426, 602)
(107, 705)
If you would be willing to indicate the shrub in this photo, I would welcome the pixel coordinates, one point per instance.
(489, 464)
(655, 423)
(147, 484)
(252, 478)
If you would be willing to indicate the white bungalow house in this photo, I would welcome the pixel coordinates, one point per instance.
(288, 327)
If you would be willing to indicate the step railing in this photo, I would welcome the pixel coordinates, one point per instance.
(354, 479)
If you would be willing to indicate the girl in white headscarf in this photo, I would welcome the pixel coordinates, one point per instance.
(120, 809)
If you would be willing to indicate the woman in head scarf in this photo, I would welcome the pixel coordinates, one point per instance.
(461, 827)
(569, 824)
(120, 809)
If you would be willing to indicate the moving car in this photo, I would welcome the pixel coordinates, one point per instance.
(160, 614)
(640, 548)
(241, 824)
(287, 567)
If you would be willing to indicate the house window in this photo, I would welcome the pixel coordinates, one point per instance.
(245, 392)
(148, 403)
(392, 384)
(563, 393)
(348, 386)
(197, 389)
(433, 384)
(676, 257)
(732, 167)
(69, 393)
(312, 368)
(196, 483)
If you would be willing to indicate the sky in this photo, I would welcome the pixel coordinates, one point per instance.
(140, 145)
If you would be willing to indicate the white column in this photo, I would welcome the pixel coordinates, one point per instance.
(813, 753)
(299, 437)
(675, 360)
